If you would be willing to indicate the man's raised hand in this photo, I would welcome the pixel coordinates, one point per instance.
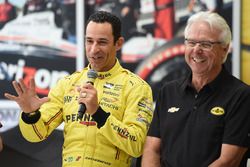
(26, 98)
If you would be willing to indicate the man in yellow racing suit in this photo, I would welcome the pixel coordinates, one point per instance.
(119, 105)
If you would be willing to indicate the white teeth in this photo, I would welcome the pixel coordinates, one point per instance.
(198, 60)
(95, 58)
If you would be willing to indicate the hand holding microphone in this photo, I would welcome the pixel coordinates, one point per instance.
(88, 94)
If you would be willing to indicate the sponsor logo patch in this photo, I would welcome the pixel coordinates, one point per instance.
(123, 132)
(108, 85)
(173, 109)
(217, 111)
(72, 159)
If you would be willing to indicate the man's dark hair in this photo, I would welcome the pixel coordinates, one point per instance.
(102, 17)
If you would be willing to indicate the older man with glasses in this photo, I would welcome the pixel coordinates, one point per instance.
(203, 119)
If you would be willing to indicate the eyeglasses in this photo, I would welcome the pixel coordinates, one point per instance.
(205, 45)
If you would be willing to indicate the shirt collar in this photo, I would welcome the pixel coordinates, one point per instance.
(107, 74)
(217, 83)
(220, 80)
(186, 82)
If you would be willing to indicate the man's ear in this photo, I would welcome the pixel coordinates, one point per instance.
(226, 48)
(119, 43)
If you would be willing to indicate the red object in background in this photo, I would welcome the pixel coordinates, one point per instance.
(5, 9)
(164, 19)
(7, 13)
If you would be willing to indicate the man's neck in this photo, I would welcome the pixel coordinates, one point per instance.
(200, 80)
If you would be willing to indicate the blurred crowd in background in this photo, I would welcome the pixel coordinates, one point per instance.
(129, 12)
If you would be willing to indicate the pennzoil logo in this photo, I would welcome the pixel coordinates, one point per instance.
(217, 111)
(123, 132)
(86, 120)
(173, 109)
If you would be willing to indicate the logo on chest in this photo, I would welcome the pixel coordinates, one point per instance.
(217, 111)
(173, 109)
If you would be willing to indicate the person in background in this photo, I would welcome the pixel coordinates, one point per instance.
(68, 9)
(129, 14)
(207, 5)
(164, 19)
(32, 6)
(126, 10)
(118, 105)
(202, 119)
(7, 13)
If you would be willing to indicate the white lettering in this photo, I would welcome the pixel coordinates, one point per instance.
(3, 69)
(20, 65)
(9, 114)
(56, 75)
(42, 78)
(9, 71)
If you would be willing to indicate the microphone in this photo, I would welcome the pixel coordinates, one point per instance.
(92, 75)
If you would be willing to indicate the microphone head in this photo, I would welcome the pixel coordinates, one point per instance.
(92, 75)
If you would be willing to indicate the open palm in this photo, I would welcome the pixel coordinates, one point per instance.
(26, 97)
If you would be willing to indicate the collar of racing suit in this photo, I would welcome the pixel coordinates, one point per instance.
(107, 74)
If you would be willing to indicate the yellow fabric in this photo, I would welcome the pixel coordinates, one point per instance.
(245, 66)
(245, 39)
(121, 93)
(245, 34)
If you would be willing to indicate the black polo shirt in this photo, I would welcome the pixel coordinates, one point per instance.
(192, 126)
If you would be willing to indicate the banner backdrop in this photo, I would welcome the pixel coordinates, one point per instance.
(33, 44)
(38, 39)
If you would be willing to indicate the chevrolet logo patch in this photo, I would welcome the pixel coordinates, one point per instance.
(217, 111)
(173, 109)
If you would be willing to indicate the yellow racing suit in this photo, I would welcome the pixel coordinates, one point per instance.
(110, 137)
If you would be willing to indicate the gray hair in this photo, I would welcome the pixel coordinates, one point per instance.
(214, 20)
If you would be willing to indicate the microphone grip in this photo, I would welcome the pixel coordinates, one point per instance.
(82, 108)
(90, 82)
(81, 111)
